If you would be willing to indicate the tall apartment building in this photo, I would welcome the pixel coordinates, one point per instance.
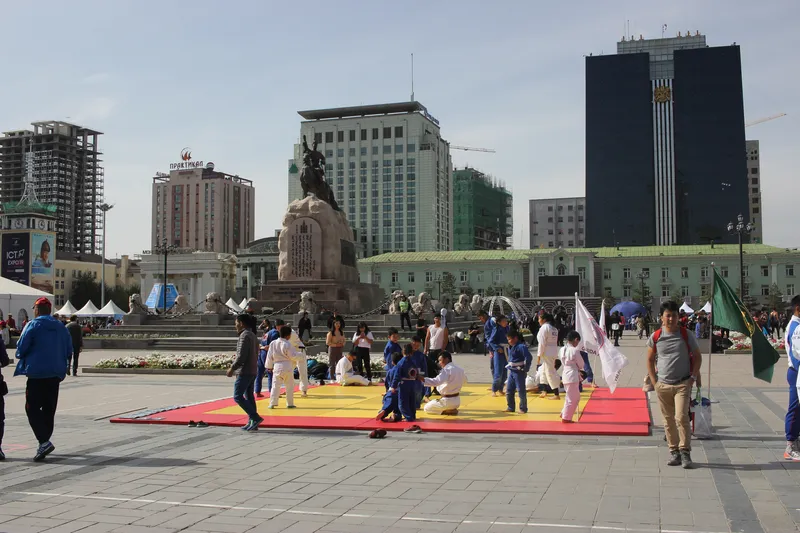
(558, 222)
(202, 209)
(664, 138)
(390, 170)
(68, 174)
(754, 188)
(482, 212)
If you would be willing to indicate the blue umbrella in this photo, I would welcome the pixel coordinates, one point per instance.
(629, 309)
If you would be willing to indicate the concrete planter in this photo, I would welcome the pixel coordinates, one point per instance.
(117, 344)
(152, 371)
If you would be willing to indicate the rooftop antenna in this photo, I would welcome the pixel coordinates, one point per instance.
(29, 193)
(412, 76)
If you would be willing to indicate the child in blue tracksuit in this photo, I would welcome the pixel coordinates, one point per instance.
(404, 382)
(420, 362)
(519, 364)
(497, 344)
(391, 400)
(391, 348)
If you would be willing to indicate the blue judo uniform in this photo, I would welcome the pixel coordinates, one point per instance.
(391, 399)
(421, 364)
(519, 361)
(403, 381)
(261, 369)
(495, 344)
(391, 347)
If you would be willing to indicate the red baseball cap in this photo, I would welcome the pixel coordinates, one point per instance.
(42, 301)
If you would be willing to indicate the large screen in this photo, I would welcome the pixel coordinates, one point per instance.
(552, 286)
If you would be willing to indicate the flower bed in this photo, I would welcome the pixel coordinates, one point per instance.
(742, 343)
(170, 361)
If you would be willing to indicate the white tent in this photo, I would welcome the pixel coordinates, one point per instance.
(686, 308)
(88, 310)
(707, 307)
(243, 304)
(67, 310)
(233, 305)
(16, 296)
(109, 310)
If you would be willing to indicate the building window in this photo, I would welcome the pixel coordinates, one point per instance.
(352, 152)
(626, 292)
(387, 132)
(765, 290)
(765, 270)
(352, 135)
(550, 219)
(570, 243)
(395, 277)
(626, 273)
(541, 272)
(317, 139)
(561, 219)
(480, 276)
(561, 269)
(754, 171)
(789, 271)
(790, 289)
(411, 277)
(398, 131)
(340, 136)
(746, 270)
(606, 273)
(550, 208)
(570, 208)
(723, 271)
(704, 272)
(570, 219)
(549, 232)
(377, 277)
(664, 273)
(340, 153)
(464, 276)
(684, 272)
(411, 148)
(685, 291)
(756, 211)
(328, 136)
(754, 181)
(387, 149)
(497, 276)
(582, 272)
(428, 276)
(375, 133)
(363, 135)
(665, 291)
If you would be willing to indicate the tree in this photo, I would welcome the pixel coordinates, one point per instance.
(676, 297)
(85, 288)
(646, 299)
(506, 289)
(775, 298)
(447, 286)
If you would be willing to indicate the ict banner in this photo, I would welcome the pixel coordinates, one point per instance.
(16, 257)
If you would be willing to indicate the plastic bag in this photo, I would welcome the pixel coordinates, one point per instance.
(701, 409)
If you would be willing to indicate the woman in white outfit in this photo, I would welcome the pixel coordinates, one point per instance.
(547, 354)
(572, 364)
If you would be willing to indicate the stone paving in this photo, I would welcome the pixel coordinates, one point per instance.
(153, 479)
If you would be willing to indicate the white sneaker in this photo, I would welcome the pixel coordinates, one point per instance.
(792, 452)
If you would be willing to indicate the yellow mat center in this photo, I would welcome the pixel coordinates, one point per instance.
(477, 403)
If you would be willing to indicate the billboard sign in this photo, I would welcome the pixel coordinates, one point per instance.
(43, 249)
(156, 298)
(16, 257)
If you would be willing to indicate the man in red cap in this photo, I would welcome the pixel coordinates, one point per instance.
(43, 350)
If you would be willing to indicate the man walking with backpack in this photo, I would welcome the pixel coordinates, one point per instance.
(679, 360)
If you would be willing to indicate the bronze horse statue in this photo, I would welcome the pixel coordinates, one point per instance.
(312, 175)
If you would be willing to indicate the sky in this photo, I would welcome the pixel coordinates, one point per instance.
(227, 80)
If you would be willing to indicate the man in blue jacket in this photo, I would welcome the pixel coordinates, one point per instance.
(43, 350)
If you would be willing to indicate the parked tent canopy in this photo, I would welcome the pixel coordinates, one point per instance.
(687, 309)
(18, 299)
(88, 310)
(67, 310)
(110, 309)
(707, 307)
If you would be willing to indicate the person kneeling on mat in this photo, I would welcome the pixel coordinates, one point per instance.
(345, 374)
(449, 383)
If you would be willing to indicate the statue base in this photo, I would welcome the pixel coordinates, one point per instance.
(346, 297)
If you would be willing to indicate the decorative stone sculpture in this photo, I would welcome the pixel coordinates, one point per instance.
(135, 306)
(394, 307)
(181, 305)
(423, 304)
(462, 305)
(307, 304)
(477, 303)
(214, 304)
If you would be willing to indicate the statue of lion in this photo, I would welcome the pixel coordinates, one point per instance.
(462, 305)
(214, 304)
(477, 303)
(394, 307)
(181, 304)
(135, 306)
(307, 304)
(423, 304)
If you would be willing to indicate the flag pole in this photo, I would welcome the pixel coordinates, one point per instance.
(711, 329)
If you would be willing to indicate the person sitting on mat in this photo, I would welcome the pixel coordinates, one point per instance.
(345, 374)
(449, 383)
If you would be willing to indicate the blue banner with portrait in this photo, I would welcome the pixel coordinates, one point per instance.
(42, 271)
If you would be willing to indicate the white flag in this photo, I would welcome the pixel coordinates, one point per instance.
(594, 341)
(603, 316)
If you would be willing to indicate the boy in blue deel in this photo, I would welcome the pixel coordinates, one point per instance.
(391, 403)
(519, 364)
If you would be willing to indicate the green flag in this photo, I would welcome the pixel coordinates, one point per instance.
(729, 312)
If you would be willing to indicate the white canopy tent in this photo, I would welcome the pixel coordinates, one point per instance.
(88, 310)
(16, 297)
(686, 308)
(233, 305)
(707, 307)
(109, 310)
(67, 310)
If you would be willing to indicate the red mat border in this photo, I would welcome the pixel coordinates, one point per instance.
(624, 413)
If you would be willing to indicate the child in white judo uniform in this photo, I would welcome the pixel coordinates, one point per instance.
(281, 360)
(345, 374)
(572, 365)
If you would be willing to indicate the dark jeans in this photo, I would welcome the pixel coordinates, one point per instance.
(2, 417)
(793, 412)
(73, 360)
(405, 318)
(41, 400)
(362, 362)
(244, 397)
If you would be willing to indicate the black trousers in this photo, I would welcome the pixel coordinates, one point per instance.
(73, 360)
(362, 362)
(41, 400)
(2, 417)
(405, 317)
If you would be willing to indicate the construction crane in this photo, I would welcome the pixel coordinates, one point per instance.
(765, 119)
(468, 149)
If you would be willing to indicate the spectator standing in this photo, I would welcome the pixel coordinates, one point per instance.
(76, 334)
(422, 328)
(304, 327)
(4, 361)
(405, 318)
(5, 334)
(245, 368)
(792, 422)
(362, 341)
(336, 316)
(43, 350)
(335, 341)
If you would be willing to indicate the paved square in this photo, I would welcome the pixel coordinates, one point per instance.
(147, 478)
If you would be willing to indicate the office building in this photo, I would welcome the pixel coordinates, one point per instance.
(754, 188)
(69, 267)
(664, 138)
(199, 208)
(67, 173)
(390, 170)
(557, 222)
(482, 212)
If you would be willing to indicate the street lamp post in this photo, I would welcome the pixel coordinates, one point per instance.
(740, 229)
(105, 208)
(641, 276)
(165, 249)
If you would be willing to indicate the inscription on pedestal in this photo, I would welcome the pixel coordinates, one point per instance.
(305, 249)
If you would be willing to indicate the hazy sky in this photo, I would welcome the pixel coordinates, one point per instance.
(227, 80)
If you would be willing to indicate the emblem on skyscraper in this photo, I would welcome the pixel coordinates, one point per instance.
(662, 94)
(186, 154)
(186, 162)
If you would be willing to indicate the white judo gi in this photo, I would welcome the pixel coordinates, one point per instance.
(281, 357)
(548, 352)
(572, 363)
(301, 361)
(449, 382)
(345, 375)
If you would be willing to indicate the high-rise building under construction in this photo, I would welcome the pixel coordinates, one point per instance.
(67, 173)
(482, 212)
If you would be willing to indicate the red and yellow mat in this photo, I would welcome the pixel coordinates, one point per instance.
(623, 413)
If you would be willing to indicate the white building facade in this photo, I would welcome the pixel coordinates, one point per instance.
(557, 222)
(194, 274)
(391, 173)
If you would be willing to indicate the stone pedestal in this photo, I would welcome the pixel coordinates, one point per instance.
(133, 319)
